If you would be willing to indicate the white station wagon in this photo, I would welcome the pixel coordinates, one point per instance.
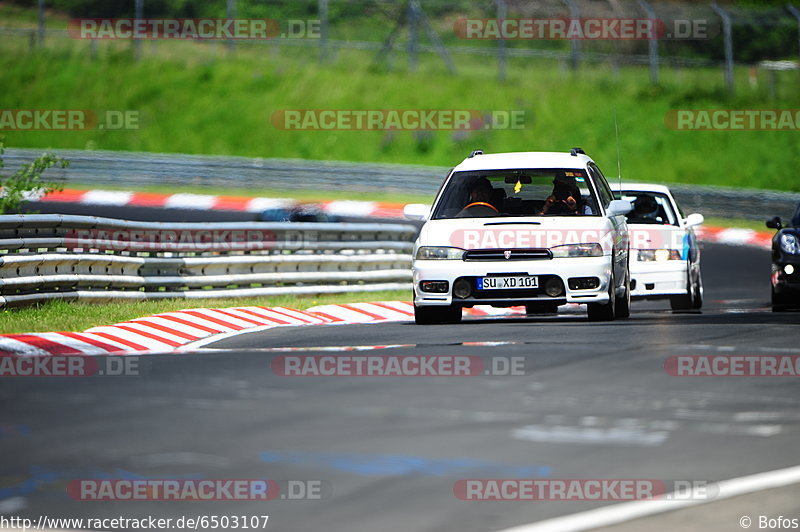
(538, 229)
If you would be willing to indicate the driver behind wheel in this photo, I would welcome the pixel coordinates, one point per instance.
(480, 198)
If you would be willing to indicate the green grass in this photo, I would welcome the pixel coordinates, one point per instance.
(79, 316)
(194, 98)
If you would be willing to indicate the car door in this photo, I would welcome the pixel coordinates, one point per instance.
(619, 224)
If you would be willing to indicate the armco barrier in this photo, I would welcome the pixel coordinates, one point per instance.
(113, 168)
(46, 257)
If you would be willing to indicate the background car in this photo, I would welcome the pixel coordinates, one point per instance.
(665, 258)
(786, 262)
(539, 229)
(298, 213)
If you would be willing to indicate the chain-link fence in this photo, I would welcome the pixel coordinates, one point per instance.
(571, 32)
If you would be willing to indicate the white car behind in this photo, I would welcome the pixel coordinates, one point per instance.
(665, 256)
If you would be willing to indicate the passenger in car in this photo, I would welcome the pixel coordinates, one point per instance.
(565, 199)
(480, 199)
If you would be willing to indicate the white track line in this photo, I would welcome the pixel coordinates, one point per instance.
(628, 511)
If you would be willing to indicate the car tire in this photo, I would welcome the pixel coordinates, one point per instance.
(697, 296)
(434, 315)
(623, 304)
(604, 311)
(779, 302)
(541, 308)
(684, 302)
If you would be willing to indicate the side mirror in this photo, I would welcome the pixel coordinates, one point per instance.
(775, 223)
(619, 208)
(416, 211)
(695, 219)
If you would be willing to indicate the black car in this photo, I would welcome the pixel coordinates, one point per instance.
(786, 263)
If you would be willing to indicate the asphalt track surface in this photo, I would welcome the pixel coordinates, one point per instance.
(594, 402)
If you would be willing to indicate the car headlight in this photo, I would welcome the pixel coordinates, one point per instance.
(439, 253)
(577, 250)
(658, 255)
(789, 244)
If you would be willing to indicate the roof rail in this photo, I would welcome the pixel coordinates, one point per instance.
(474, 153)
(575, 151)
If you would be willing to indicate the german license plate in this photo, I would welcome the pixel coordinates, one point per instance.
(510, 282)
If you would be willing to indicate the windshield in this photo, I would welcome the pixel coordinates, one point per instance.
(650, 208)
(516, 193)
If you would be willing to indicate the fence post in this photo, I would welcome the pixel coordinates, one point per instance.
(728, 35)
(796, 12)
(413, 34)
(502, 12)
(230, 13)
(41, 23)
(652, 43)
(574, 14)
(137, 43)
(323, 30)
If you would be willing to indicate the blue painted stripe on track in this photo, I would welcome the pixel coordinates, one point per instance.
(402, 465)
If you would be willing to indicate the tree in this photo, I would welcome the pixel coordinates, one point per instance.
(27, 180)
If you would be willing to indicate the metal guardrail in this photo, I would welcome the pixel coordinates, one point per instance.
(45, 257)
(113, 168)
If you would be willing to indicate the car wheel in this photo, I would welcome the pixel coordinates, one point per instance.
(697, 297)
(685, 301)
(623, 303)
(437, 315)
(541, 308)
(604, 311)
(779, 302)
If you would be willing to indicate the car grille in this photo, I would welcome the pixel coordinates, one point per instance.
(500, 254)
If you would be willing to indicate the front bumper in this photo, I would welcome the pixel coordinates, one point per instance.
(658, 279)
(784, 283)
(563, 269)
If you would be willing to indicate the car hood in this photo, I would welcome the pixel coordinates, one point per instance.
(656, 236)
(515, 233)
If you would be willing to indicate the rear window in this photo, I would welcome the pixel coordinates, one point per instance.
(517, 193)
